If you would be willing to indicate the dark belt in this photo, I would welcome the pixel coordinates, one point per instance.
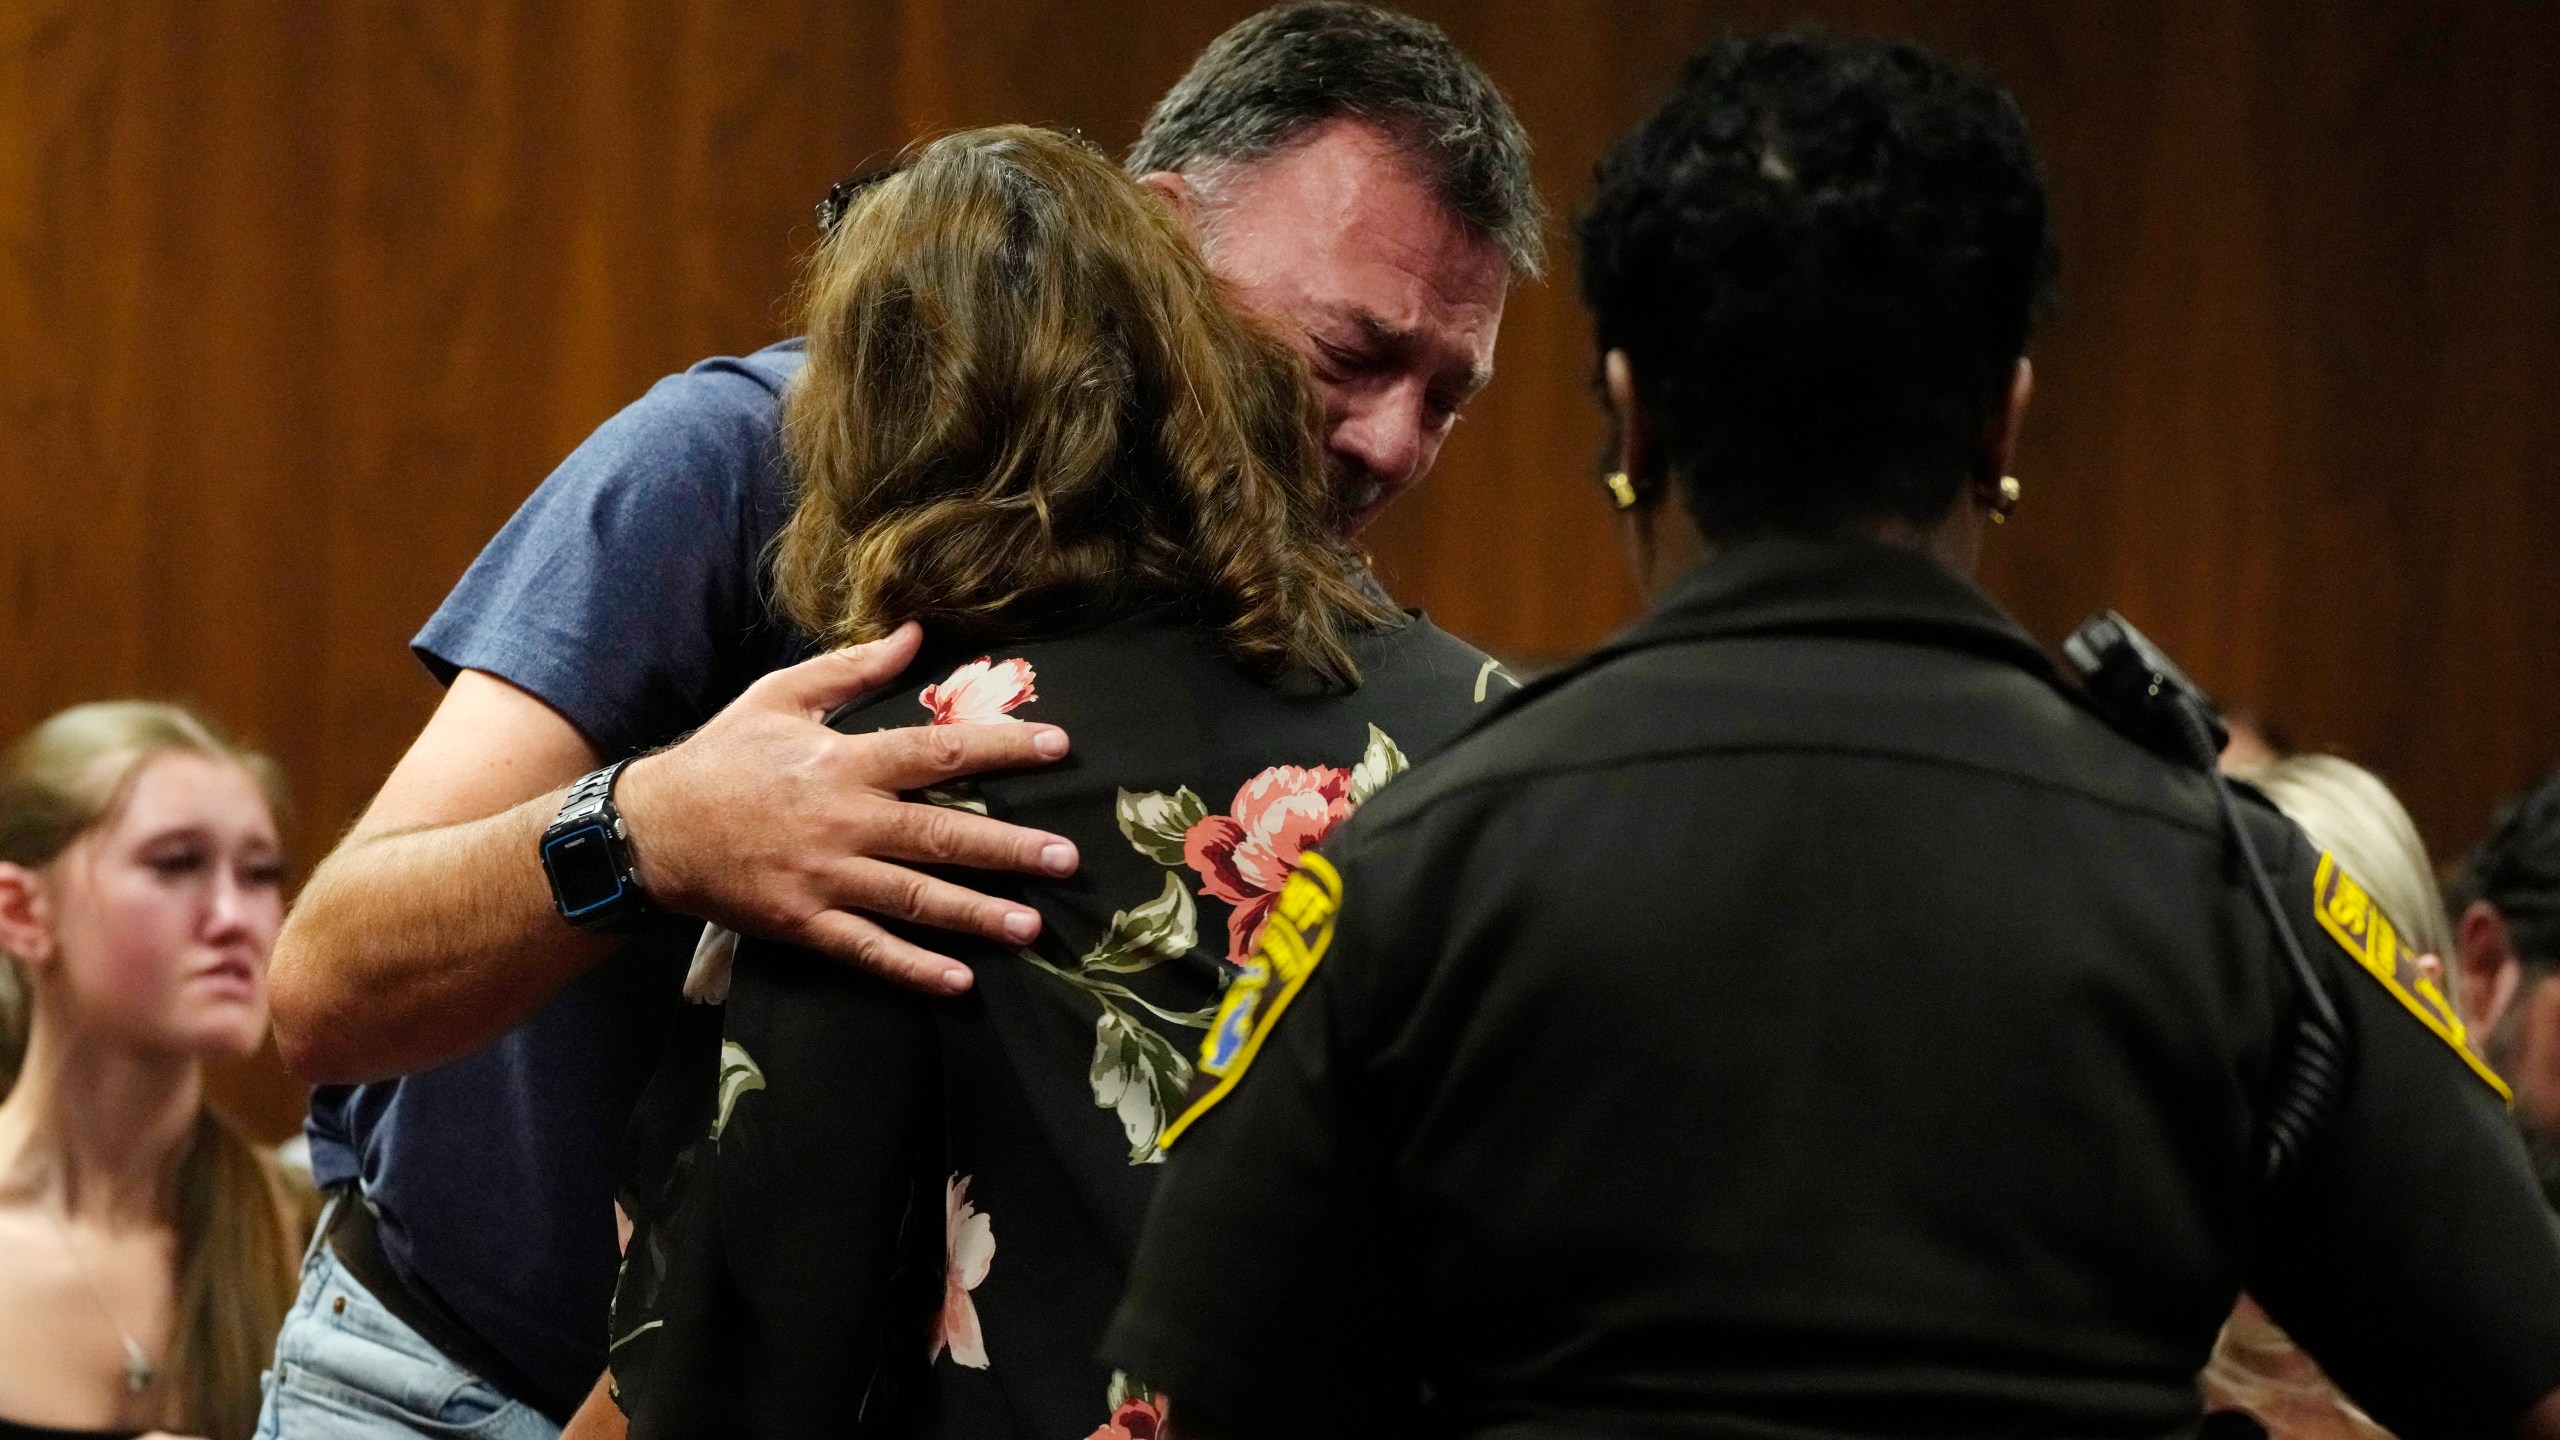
(358, 1246)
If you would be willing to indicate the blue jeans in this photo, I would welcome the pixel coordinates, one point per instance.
(346, 1369)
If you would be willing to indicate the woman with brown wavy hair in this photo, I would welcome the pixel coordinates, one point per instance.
(1025, 404)
(1030, 423)
(146, 1248)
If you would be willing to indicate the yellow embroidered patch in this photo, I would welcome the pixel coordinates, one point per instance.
(2363, 931)
(1294, 938)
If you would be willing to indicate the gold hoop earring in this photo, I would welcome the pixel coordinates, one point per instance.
(2006, 502)
(1622, 491)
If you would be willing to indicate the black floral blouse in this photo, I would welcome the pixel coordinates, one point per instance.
(897, 1215)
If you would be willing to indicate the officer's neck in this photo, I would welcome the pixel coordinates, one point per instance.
(1664, 544)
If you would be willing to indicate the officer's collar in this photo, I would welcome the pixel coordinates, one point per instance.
(1845, 587)
(1856, 588)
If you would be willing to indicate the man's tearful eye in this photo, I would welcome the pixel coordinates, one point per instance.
(1337, 362)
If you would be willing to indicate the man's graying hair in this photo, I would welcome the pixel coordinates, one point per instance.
(1266, 82)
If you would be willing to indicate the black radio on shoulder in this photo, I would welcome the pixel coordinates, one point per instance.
(2142, 694)
(587, 853)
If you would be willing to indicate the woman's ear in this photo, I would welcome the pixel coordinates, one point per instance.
(2431, 971)
(1661, 536)
(2000, 442)
(26, 916)
(1626, 416)
(2491, 970)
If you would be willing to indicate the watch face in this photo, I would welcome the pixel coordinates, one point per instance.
(582, 870)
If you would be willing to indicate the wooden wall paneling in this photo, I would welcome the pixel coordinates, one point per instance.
(2489, 672)
(2412, 187)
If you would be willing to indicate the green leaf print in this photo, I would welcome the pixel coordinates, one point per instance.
(1139, 1074)
(1380, 763)
(959, 795)
(1148, 936)
(1106, 991)
(1156, 822)
(1126, 1387)
(738, 1075)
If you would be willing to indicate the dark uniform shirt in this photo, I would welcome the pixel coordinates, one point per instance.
(1808, 1019)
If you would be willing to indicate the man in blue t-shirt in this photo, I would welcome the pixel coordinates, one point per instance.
(1349, 174)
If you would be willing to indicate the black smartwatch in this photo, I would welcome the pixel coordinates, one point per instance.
(587, 854)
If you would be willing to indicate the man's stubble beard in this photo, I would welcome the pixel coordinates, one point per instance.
(1353, 487)
(2541, 1131)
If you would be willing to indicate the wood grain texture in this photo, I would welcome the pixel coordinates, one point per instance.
(299, 300)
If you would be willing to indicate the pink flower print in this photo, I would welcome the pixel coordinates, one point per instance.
(1246, 855)
(982, 692)
(969, 1247)
(1133, 1420)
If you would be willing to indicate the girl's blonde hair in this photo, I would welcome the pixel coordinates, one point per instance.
(1027, 408)
(2349, 812)
(230, 1203)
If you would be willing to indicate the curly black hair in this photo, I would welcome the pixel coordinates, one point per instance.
(1823, 258)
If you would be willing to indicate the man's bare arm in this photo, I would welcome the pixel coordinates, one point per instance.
(430, 931)
(2542, 1422)
(599, 1418)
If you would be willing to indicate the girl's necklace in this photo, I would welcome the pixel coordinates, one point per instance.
(139, 1372)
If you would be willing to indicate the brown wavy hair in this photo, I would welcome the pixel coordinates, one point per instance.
(1028, 408)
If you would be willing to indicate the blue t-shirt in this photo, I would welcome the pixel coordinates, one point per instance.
(628, 594)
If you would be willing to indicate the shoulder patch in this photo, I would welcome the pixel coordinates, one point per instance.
(2363, 931)
(1294, 939)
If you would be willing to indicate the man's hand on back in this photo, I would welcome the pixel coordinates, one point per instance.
(770, 823)
(430, 931)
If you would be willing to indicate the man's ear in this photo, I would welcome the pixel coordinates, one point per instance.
(1178, 193)
(26, 915)
(2491, 969)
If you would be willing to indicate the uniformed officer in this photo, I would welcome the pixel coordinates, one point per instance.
(1808, 1017)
